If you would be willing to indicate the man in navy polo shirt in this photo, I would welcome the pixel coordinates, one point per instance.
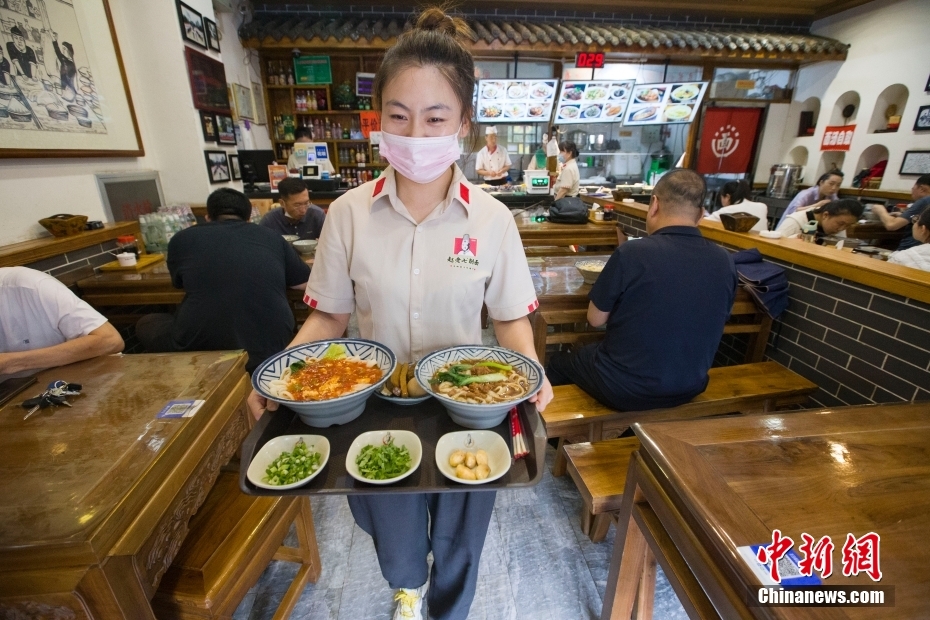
(664, 299)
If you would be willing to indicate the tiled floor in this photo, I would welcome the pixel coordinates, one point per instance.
(536, 565)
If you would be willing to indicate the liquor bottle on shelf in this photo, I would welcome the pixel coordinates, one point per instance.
(290, 74)
(312, 98)
(345, 133)
(329, 130)
(270, 74)
(282, 77)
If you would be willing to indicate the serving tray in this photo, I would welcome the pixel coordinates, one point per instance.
(428, 420)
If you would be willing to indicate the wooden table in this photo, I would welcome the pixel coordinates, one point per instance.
(95, 499)
(152, 285)
(696, 491)
(559, 285)
(546, 234)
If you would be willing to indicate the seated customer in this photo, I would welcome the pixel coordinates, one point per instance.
(903, 221)
(235, 277)
(43, 324)
(832, 218)
(918, 256)
(665, 299)
(734, 196)
(297, 215)
(816, 196)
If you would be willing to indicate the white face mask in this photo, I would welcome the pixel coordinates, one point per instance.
(422, 160)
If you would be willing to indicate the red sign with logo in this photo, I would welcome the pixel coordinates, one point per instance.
(837, 138)
(728, 140)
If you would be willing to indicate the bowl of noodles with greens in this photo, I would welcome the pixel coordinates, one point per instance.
(325, 382)
(478, 385)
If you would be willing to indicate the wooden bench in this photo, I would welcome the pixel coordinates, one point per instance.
(232, 539)
(745, 318)
(573, 415)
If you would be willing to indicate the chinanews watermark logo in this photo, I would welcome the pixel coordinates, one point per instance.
(791, 580)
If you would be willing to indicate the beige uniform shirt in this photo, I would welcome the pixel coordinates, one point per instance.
(492, 161)
(569, 178)
(418, 288)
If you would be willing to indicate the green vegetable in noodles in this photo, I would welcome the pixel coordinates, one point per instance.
(489, 364)
(291, 467)
(383, 462)
(334, 352)
(297, 366)
(460, 379)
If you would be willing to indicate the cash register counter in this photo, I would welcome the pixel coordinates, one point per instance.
(856, 326)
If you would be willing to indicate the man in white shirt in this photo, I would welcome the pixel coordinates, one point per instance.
(43, 324)
(492, 162)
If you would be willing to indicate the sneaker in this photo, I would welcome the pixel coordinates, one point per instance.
(410, 603)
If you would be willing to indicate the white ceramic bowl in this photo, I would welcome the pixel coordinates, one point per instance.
(376, 438)
(306, 246)
(285, 443)
(291, 238)
(323, 413)
(590, 275)
(471, 415)
(499, 458)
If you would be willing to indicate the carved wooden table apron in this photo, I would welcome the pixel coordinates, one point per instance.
(95, 499)
(534, 234)
(696, 491)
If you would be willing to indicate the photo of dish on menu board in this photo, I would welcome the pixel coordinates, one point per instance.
(593, 101)
(660, 104)
(505, 101)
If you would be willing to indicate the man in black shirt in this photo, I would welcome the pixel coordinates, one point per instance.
(235, 277)
(664, 299)
(297, 215)
(21, 55)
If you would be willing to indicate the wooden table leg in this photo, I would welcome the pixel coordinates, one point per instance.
(599, 526)
(561, 462)
(626, 568)
(307, 554)
(645, 599)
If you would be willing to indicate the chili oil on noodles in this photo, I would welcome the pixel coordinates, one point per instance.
(511, 385)
(325, 379)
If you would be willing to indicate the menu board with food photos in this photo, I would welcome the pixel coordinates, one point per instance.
(659, 104)
(506, 101)
(594, 101)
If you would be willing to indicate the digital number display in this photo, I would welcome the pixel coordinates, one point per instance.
(589, 60)
(540, 182)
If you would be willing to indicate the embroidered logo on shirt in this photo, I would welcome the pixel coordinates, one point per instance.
(466, 246)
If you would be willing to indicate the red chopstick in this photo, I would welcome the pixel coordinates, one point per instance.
(519, 443)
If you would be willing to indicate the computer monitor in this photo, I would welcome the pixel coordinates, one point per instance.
(254, 166)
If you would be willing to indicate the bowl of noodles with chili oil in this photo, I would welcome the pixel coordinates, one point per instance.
(478, 385)
(325, 382)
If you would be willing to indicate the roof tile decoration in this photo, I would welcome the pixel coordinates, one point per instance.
(374, 31)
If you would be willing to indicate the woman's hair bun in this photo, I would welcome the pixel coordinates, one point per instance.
(434, 18)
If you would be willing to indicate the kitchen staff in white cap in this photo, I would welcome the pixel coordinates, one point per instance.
(492, 162)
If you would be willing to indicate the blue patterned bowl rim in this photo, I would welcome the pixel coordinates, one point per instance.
(265, 366)
(478, 351)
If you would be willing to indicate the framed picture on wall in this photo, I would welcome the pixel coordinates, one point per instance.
(192, 29)
(81, 106)
(217, 166)
(208, 82)
(213, 35)
(226, 129)
(915, 163)
(258, 104)
(922, 122)
(234, 167)
(243, 98)
(208, 124)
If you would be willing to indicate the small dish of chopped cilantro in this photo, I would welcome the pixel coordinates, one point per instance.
(383, 457)
(288, 461)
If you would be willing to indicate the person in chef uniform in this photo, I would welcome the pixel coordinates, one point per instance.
(492, 162)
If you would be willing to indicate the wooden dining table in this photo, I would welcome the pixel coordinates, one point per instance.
(550, 235)
(697, 491)
(95, 498)
(111, 290)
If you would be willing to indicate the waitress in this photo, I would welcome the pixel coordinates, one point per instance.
(567, 185)
(816, 196)
(492, 162)
(387, 252)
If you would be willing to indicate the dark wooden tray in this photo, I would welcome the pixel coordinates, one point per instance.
(427, 419)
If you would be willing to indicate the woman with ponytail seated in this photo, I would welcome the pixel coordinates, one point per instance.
(832, 218)
(734, 196)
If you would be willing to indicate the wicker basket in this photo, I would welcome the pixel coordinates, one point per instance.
(63, 225)
(738, 222)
